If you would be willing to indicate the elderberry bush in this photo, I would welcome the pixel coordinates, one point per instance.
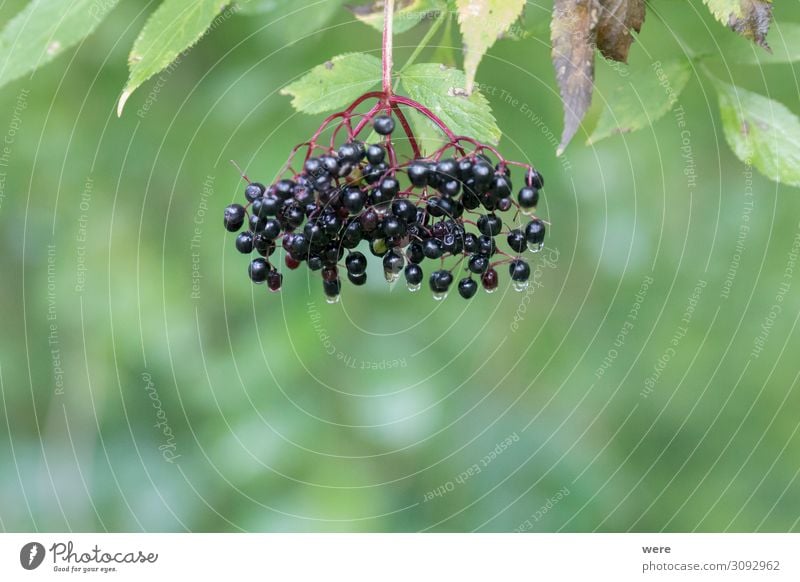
(452, 214)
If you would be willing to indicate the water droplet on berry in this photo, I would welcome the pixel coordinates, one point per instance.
(492, 290)
(390, 276)
(414, 288)
(535, 247)
(332, 299)
(440, 296)
(520, 286)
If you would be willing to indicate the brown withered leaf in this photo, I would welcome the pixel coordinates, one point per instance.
(750, 18)
(573, 33)
(617, 18)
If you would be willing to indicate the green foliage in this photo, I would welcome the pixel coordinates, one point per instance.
(481, 23)
(750, 18)
(784, 41)
(579, 29)
(44, 30)
(335, 83)
(642, 99)
(270, 438)
(443, 90)
(407, 15)
(174, 27)
(761, 132)
(292, 20)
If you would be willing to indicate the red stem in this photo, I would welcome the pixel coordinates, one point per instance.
(366, 119)
(407, 128)
(388, 21)
(397, 100)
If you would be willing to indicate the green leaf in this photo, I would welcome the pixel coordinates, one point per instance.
(573, 33)
(761, 132)
(783, 39)
(750, 18)
(43, 30)
(294, 19)
(334, 84)
(407, 13)
(175, 26)
(646, 95)
(482, 22)
(443, 91)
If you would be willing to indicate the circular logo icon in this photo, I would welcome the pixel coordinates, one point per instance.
(31, 555)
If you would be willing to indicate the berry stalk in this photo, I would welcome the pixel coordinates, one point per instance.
(388, 23)
(354, 195)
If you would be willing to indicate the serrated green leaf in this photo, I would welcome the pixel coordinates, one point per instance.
(295, 19)
(750, 18)
(407, 13)
(443, 90)
(175, 26)
(334, 84)
(428, 136)
(761, 132)
(482, 22)
(783, 39)
(646, 95)
(43, 30)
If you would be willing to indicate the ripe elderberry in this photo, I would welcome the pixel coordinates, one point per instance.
(334, 199)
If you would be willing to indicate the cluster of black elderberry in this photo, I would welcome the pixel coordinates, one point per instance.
(431, 208)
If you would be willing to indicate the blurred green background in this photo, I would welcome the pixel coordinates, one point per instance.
(646, 381)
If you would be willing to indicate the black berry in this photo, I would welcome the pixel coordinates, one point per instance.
(383, 124)
(519, 270)
(253, 191)
(258, 270)
(528, 197)
(244, 242)
(234, 217)
(467, 288)
(534, 232)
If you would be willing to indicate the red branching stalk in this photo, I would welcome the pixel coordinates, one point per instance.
(330, 180)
